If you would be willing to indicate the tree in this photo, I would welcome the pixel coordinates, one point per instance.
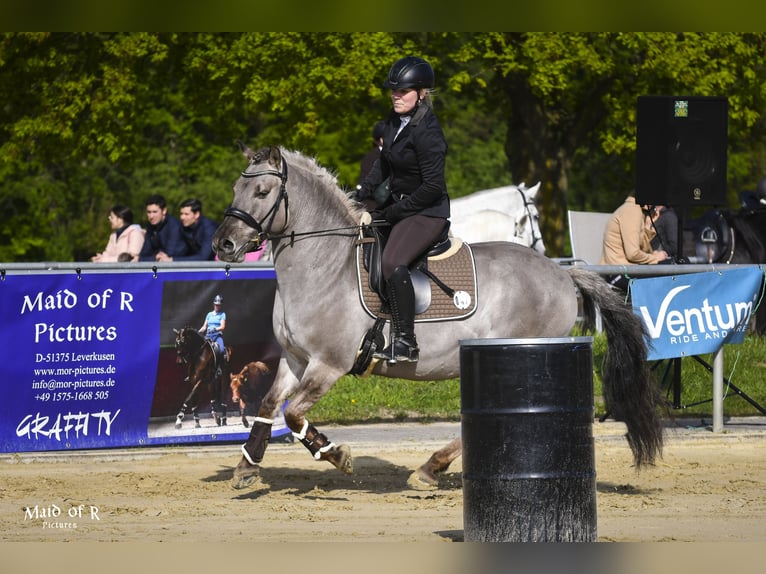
(570, 105)
(89, 120)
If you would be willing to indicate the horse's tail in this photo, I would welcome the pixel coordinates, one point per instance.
(630, 394)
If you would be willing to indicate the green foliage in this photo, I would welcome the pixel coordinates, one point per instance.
(93, 119)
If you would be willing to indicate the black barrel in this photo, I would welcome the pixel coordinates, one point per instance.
(527, 423)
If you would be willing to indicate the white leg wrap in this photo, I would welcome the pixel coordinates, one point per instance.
(318, 454)
(263, 420)
(247, 456)
(301, 435)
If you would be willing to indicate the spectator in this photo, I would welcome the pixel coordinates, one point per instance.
(417, 209)
(665, 224)
(197, 233)
(163, 232)
(125, 241)
(627, 239)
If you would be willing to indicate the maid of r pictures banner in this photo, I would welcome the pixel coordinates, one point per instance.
(696, 314)
(89, 360)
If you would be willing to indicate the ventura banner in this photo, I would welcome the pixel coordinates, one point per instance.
(89, 359)
(696, 314)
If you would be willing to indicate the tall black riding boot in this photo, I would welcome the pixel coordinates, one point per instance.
(401, 295)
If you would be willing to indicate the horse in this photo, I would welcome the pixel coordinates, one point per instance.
(205, 368)
(249, 387)
(501, 214)
(298, 205)
(732, 237)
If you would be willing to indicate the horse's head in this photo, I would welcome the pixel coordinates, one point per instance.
(527, 229)
(236, 380)
(259, 207)
(186, 343)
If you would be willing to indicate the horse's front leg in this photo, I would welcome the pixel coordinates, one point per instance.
(242, 407)
(321, 447)
(184, 407)
(247, 472)
(191, 396)
(314, 384)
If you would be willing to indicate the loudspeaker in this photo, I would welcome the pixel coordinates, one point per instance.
(681, 146)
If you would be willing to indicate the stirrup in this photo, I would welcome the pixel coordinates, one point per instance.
(400, 351)
(404, 352)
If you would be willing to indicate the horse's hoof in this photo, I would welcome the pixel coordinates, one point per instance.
(340, 458)
(245, 475)
(242, 482)
(245, 424)
(178, 426)
(422, 479)
(197, 425)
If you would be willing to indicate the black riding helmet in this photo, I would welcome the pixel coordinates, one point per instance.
(410, 73)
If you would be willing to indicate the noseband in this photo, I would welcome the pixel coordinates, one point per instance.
(263, 233)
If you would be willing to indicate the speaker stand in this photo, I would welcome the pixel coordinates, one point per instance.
(676, 382)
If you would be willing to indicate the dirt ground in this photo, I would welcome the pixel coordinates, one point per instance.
(707, 488)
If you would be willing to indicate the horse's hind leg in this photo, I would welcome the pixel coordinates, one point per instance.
(427, 476)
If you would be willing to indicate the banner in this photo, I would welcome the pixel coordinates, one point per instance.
(89, 360)
(696, 314)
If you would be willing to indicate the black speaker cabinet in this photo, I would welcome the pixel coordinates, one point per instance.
(681, 150)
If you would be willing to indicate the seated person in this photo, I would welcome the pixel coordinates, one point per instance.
(163, 232)
(126, 240)
(197, 233)
(627, 239)
(665, 223)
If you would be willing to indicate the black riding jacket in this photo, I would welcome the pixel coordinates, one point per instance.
(414, 162)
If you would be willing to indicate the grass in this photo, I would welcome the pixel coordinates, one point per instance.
(375, 399)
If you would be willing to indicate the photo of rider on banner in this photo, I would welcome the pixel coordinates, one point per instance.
(209, 332)
(695, 314)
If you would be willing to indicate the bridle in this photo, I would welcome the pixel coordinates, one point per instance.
(264, 229)
(527, 202)
(183, 351)
(263, 232)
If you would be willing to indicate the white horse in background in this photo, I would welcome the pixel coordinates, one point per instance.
(501, 214)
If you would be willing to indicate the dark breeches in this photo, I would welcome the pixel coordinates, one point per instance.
(408, 239)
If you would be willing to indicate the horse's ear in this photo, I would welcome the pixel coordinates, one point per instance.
(176, 331)
(246, 151)
(275, 156)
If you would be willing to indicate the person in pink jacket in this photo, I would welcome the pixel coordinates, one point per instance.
(126, 239)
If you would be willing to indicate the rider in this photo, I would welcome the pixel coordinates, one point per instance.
(413, 158)
(215, 323)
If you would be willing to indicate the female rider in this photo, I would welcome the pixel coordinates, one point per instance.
(412, 159)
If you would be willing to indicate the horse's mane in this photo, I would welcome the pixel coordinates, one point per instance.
(324, 181)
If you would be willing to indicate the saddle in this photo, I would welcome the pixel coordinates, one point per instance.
(444, 280)
(443, 277)
(713, 238)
